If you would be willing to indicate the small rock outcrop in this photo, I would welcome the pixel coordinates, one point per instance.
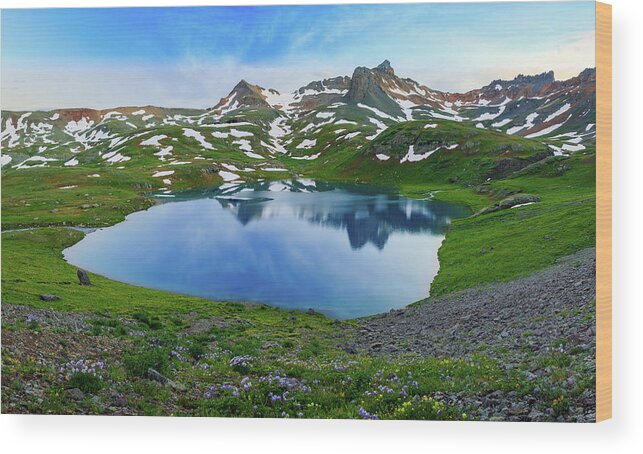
(509, 202)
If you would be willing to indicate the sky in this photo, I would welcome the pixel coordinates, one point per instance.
(191, 57)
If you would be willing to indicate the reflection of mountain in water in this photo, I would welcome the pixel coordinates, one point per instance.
(368, 214)
(374, 221)
(245, 210)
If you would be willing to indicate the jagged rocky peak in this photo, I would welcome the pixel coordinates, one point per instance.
(542, 78)
(330, 86)
(385, 68)
(533, 84)
(588, 74)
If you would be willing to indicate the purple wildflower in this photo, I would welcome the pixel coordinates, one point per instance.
(240, 361)
(365, 415)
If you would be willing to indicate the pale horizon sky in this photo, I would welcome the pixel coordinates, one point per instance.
(191, 57)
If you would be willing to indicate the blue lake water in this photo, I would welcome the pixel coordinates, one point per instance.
(345, 251)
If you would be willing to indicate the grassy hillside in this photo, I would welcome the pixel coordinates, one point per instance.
(508, 243)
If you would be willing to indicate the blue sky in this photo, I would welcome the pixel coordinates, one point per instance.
(193, 56)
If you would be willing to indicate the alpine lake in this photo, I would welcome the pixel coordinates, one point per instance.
(343, 250)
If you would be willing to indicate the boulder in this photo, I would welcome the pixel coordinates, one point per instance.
(48, 297)
(158, 377)
(83, 277)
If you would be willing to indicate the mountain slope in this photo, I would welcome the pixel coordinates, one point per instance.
(373, 117)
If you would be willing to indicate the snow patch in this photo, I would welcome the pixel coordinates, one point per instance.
(238, 134)
(381, 127)
(163, 173)
(250, 154)
(163, 152)
(489, 115)
(154, 141)
(501, 123)
(529, 123)
(560, 111)
(546, 130)
(577, 147)
(118, 158)
(307, 143)
(377, 112)
(187, 132)
(523, 204)
(412, 157)
(307, 158)
(244, 144)
(228, 176)
(41, 159)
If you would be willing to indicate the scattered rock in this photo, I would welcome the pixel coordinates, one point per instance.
(516, 322)
(349, 349)
(76, 394)
(120, 402)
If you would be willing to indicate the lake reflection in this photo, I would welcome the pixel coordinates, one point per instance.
(346, 251)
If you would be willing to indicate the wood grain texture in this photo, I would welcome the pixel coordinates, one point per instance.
(603, 211)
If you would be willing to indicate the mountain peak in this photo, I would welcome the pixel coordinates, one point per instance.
(244, 94)
(369, 86)
(385, 67)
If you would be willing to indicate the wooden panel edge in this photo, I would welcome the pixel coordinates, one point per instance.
(603, 211)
